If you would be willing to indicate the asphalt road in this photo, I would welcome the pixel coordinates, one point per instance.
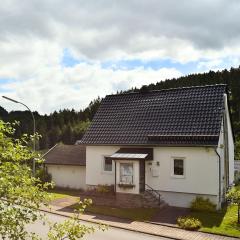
(110, 234)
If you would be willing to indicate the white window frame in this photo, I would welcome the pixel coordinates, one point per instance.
(103, 165)
(120, 176)
(172, 167)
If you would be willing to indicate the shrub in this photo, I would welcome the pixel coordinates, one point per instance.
(203, 204)
(189, 223)
(103, 188)
(237, 178)
(43, 175)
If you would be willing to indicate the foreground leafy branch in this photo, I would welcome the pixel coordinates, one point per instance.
(21, 194)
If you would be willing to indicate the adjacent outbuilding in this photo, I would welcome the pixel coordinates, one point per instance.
(67, 166)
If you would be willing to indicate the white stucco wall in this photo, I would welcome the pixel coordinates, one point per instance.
(94, 165)
(68, 176)
(184, 199)
(135, 189)
(200, 170)
(200, 178)
(96, 175)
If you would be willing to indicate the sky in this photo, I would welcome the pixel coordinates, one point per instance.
(58, 54)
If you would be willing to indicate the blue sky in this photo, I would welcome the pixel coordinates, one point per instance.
(68, 61)
(155, 64)
(6, 80)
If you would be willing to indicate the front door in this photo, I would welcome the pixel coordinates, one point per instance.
(142, 176)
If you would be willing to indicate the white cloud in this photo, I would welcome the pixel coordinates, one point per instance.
(58, 88)
(116, 29)
(34, 34)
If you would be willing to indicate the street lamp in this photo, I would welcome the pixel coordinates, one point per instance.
(34, 128)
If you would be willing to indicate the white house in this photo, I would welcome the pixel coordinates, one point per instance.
(175, 142)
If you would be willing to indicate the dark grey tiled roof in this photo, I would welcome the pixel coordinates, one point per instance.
(182, 116)
(66, 155)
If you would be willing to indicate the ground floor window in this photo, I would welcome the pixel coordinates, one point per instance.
(126, 173)
(178, 167)
(107, 165)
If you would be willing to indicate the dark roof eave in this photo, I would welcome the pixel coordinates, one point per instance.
(150, 145)
(65, 164)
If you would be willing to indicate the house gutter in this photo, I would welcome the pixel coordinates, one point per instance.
(115, 177)
(219, 175)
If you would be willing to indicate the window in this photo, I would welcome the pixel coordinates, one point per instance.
(178, 167)
(107, 166)
(126, 173)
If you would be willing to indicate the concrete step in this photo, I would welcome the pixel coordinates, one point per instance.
(151, 200)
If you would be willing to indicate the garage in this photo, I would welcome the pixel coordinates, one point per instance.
(67, 166)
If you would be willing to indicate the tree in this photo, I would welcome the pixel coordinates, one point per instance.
(54, 136)
(234, 197)
(67, 136)
(21, 194)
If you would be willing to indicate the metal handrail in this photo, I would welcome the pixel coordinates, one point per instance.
(155, 191)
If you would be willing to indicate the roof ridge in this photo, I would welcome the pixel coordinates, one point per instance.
(168, 89)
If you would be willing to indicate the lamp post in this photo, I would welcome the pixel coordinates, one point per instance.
(34, 128)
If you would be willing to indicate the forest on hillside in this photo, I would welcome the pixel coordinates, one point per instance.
(64, 126)
(67, 126)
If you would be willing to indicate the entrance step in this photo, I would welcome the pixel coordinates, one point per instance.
(137, 201)
(152, 200)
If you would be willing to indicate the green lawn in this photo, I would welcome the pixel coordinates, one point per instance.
(57, 194)
(224, 222)
(136, 214)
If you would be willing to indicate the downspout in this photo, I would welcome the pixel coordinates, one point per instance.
(226, 146)
(115, 187)
(219, 175)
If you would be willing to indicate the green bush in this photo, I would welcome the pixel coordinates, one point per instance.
(236, 178)
(203, 204)
(43, 175)
(103, 188)
(189, 223)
